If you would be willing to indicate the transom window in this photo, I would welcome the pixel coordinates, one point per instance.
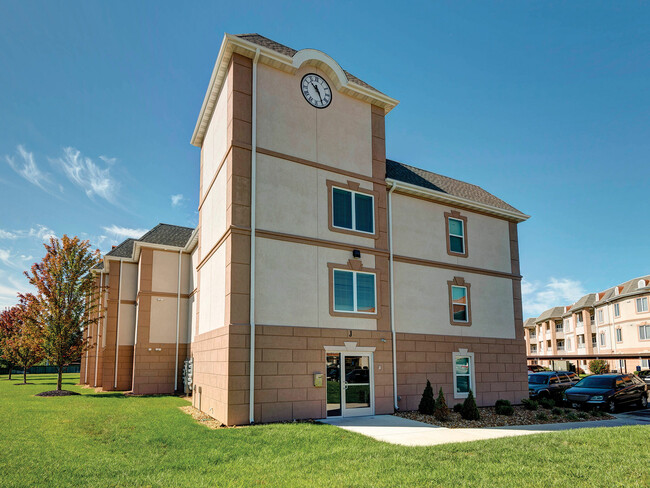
(354, 291)
(459, 303)
(644, 332)
(617, 310)
(642, 304)
(353, 210)
(456, 235)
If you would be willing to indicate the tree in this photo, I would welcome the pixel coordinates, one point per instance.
(470, 410)
(24, 348)
(8, 328)
(427, 403)
(62, 307)
(598, 366)
(441, 411)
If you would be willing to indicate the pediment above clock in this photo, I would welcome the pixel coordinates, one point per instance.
(319, 59)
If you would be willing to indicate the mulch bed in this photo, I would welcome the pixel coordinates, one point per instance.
(57, 393)
(489, 418)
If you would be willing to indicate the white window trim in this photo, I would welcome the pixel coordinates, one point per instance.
(645, 363)
(466, 305)
(462, 225)
(619, 332)
(603, 339)
(640, 301)
(617, 310)
(472, 385)
(600, 316)
(354, 290)
(643, 328)
(353, 210)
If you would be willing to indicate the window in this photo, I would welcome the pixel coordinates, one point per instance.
(459, 302)
(456, 226)
(560, 345)
(567, 344)
(644, 332)
(603, 340)
(645, 363)
(463, 363)
(533, 335)
(533, 348)
(621, 368)
(352, 210)
(581, 342)
(354, 292)
(594, 342)
(642, 304)
(567, 325)
(617, 310)
(600, 316)
(619, 335)
(559, 326)
(579, 320)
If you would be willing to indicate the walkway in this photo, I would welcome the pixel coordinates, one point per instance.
(398, 430)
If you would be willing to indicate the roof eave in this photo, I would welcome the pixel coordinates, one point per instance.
(464, 202)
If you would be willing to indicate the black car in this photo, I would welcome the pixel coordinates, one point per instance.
(548, 384)
(645, 375)
(608, 391)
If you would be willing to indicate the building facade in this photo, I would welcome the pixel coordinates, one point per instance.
(613, 325)
(329, 280)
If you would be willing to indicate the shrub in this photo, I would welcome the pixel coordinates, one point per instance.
(541, 416)
(498, 403)
(557, 411)
(547, 403)
(504, 410)
(427, 403)
(530, 404)
(597, 413)
(441, 411)
(598, 366)
(571, 416)
(583, 415)
(458, 407)
(470, 410)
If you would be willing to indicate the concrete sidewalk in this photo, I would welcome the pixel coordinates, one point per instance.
(398, 430)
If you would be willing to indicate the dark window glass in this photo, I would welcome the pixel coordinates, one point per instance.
(363, 212)
(342, 211)
(343, 293)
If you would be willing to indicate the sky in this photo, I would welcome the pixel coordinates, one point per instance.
(544, 104)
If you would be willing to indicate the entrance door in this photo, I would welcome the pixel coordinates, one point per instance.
(350, 384)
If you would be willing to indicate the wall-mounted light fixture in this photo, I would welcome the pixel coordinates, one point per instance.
(356, 253)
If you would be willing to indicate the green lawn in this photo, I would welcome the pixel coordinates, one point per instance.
(112, 440)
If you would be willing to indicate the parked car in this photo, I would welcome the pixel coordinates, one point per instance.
(608, 391)
(535, 368)
(572, 375)
(548, 384)
(645, 375)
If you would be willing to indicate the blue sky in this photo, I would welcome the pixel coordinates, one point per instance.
(545, 104)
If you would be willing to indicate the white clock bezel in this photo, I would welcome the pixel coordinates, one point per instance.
(308, 100)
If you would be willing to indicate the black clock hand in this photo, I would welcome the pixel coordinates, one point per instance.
(317, 91)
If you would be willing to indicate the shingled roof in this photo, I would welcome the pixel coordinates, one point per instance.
(530, 322)
(551, 313)
(586, 301)
(433, 181)
(287, 51)
(630, 287)
(164, 234)
(123, 250)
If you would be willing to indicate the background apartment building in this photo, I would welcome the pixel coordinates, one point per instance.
(326, 280)
(613, 325)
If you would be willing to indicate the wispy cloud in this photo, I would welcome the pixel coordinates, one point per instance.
(12, 260)
(177, 199)
(27, 168)
(41, 232)
(125, 232)
(89, 176)
(6, 234)
(538, 296)
(10, 286)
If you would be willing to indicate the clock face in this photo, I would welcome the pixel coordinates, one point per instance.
(316, 90)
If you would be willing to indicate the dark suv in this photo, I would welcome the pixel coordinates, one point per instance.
(608, 391)
(549, 384)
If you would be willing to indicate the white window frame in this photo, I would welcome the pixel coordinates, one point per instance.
(466, 304)
(600, 316)
(619, 334)
(353, 210)
(617, 310)
(641, 304)
(602, 339)
(567, 344)
(354, 290)
(462, 224)
(646, 332)
(645, 364)
(567, 325)
(461, 353)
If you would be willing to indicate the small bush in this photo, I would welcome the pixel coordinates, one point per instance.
(470, 410)
(583, 415)
(547, 403)
(571, 416)
(441, 411)
(498, 403)
(541, 416)
(504, 410)
(597, 413)
(458, 407)
(598, 366)
(427, 403)
(557, 411)
(529, 404)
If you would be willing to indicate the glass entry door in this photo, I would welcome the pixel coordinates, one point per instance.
(350, 384)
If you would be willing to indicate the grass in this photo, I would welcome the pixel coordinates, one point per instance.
(108, 439)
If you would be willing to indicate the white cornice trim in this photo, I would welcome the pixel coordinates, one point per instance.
(460, 201)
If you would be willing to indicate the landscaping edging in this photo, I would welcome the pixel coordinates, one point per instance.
(521, 416)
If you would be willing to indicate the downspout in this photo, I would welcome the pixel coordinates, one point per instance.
(392, 293)
(87, 350)
(101, 301)
(251, 387)
(178, 318)
(117, 328)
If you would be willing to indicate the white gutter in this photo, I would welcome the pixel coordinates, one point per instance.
(612, 325)
(251, 387)
(178, 318)
(87, 351)
(101, 301)
(392, 294)
(117, 332)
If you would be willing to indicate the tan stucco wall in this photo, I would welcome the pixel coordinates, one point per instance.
(165, 272)
(129, 281)
(213, 292)
(214, 213)
(215, 143)
(163, 320)
(292, 285)
(338, 136)
(422, 303)
(127, 324)
(419, 231)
